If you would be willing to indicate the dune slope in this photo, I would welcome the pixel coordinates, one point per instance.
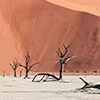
(40, 27)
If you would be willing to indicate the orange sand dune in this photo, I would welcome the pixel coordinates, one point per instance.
(40, 27)
(92, 6)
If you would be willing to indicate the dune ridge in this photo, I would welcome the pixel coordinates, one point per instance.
(80, 5)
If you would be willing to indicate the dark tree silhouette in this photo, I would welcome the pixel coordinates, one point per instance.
(27, 67)
(14, 66)
(89, 85)
(3, 73)
(63, 60)
(21, 72)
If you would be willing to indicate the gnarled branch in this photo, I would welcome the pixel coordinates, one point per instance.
(33, 65)
(45, 74)
(69, 58)
(11, 66)
(89, 85)
(22, 66)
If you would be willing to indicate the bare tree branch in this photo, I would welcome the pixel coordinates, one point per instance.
(33, 65)
(14, 62)
(61, 55)
(69, 58)
(11, 66)
(66, 49)
(58, 54)
(27, 57)
(86, 83)
(57, 61)
(22, 66)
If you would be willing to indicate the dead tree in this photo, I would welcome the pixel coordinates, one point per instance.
(89, 85)
(3, 73)
(62, 59)
(47, 75)
(14, 66)
(27, 67)
(21, 72)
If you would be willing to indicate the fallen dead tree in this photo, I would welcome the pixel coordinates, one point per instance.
(89, 85)
(63, 60)
(89, 88)
(46, 75)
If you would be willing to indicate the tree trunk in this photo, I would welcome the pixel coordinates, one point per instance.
(14, 73)
(3, 73)
(45, 74)
(26, 73)
(20, 73)
(61, 70)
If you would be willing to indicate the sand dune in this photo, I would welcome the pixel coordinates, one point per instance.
(41, 26)
(92, 7)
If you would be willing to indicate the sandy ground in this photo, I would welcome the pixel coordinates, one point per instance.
(24, 89)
